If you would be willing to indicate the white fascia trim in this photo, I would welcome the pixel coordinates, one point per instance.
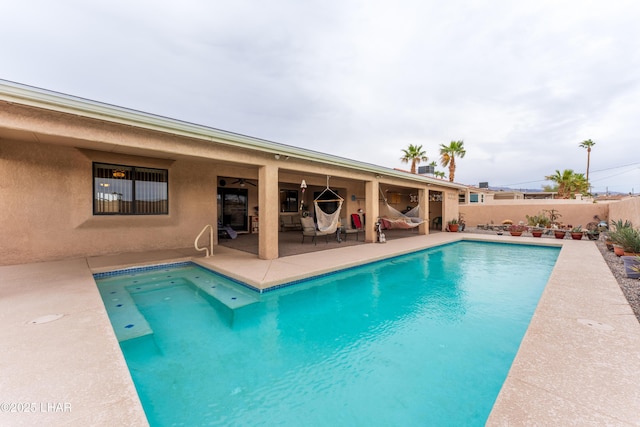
(41, 98)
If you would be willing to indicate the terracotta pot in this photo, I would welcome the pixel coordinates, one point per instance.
(609, 244)
(618, 250)
(453, 228)
(632, 254)
(516, 233)
(537, 233)
(559, 234)
(576, 236)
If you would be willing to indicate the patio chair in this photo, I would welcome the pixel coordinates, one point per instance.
(348, 227)
(290, 222)
(437, 223)
(226, 232)
(309, 229)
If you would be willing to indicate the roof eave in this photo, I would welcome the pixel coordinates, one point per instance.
(41, 98)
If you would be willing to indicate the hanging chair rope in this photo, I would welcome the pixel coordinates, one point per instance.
(337, 196)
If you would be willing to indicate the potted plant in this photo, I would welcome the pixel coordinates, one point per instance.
(553, 215)
(576, 233)
(559, 233)
(618, 224)
(630, 242)
(622, 235)
(607, 241)
(453, 225)
(537, 232)
(618, 250)
(517, 229)
(594, 228)
(592, 234)
(538, 222)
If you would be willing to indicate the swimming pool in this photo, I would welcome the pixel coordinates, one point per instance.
(426, 338)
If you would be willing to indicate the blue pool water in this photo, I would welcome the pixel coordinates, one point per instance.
(422, 339)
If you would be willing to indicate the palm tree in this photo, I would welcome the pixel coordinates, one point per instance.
(433, 165)
(448, 155)
(562, 180)
(415, 155)
(438, 174)
(588, 144)
(578, 184)
(569, 183)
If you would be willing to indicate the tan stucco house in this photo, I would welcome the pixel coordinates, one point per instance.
(82, 178)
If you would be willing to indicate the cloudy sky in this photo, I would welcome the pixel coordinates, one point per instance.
(522, 83)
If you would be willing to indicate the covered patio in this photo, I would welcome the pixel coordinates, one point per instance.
(290, 242)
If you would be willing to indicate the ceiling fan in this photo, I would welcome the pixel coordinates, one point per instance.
(243, 182)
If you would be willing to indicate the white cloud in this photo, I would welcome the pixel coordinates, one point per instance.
(522, 83)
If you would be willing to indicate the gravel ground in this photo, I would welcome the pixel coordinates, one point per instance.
(630, 287)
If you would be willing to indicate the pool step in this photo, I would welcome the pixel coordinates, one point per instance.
(126, 319)
(230, 294)
(129, 323)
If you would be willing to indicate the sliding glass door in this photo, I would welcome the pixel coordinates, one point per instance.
(233, 208)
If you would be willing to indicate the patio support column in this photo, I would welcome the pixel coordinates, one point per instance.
(449, 206)
(268, 208)
(372, 210)
(423, 201)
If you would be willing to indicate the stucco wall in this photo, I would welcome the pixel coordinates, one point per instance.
(46, 207)
(46, 194)
(574, 214)
(46, 189)
(627, 209)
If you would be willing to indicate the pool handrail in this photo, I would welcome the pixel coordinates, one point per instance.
(208, 251)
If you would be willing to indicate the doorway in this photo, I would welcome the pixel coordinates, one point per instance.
(435, 210)
(233, 208)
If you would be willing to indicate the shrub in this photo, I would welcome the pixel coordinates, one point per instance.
(519, 228)
(623, 234)
(617, 225)
(539, 220)
(628, 238)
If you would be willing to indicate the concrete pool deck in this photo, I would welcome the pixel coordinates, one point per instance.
(578, 363)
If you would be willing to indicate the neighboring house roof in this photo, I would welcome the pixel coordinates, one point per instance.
(41, 98)
(474, 189)
(525, 194)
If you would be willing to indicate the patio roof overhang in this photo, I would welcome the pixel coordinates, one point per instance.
(44, 99)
